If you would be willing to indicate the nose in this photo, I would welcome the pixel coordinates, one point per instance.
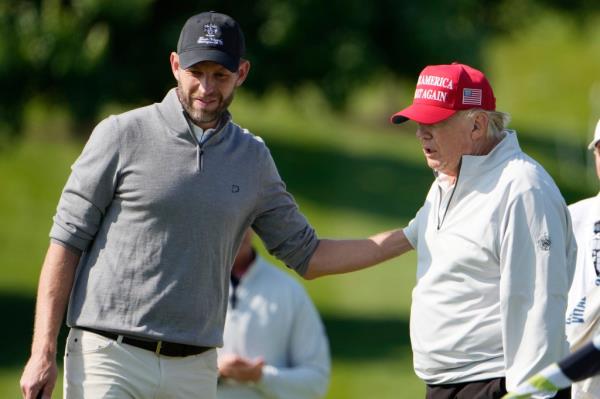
(206, 83)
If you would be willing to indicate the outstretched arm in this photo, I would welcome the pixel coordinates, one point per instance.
(343, 256)
(56, 280)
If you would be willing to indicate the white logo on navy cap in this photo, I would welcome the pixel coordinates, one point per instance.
(211, 30)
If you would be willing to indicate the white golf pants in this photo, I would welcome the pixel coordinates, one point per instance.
(99, 367)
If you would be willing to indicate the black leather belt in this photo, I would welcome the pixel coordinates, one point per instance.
(159, 347)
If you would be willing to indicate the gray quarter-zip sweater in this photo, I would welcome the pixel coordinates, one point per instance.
(159, 218)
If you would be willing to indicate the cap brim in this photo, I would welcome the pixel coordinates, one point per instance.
(593, 144)
(421, 113)
(191, 57)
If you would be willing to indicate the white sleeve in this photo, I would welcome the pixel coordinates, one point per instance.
(537, 257)
(411, 231)
(308, 374)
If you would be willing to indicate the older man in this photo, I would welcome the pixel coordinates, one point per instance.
(495, 247)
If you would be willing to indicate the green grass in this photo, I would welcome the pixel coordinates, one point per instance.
(32, 175)
(376, 379)
(9, 384)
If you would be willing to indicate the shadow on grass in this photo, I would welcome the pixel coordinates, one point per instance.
(360, 339)
(375, 185)
(17, 331)
(351, 338)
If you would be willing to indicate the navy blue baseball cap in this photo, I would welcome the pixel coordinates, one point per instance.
(211, 36)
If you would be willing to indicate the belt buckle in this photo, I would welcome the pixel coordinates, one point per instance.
(158, 347)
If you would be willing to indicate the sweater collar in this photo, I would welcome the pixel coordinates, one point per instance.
(473, 165)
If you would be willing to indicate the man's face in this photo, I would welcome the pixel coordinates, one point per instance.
(206, 89)
(444, 143)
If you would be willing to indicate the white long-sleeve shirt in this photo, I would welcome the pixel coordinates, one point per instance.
(583, 310)
(493, 272)
(275, 319)
(584, 215)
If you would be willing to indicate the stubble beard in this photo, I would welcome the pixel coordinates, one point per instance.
(202, 117)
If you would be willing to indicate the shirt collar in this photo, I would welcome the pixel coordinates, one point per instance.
(472, 165)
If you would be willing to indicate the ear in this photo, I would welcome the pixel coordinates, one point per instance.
(243, 71)
(480, 126)
(174, 59)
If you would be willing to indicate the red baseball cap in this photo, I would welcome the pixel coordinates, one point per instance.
(442, 90)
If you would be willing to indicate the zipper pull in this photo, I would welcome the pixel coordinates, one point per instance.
(201, 160)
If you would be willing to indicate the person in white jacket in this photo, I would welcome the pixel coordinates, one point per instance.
(583, 311)
(494, 242)
(275, 344)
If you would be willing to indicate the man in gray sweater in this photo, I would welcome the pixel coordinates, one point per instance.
(147, 228)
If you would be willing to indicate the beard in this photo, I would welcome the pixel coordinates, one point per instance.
(201, 117)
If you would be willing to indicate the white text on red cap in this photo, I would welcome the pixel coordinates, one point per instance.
(438, 81)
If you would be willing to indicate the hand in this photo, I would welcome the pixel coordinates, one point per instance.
(39, 377)
(240, 369)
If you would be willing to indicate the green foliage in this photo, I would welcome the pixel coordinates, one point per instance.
(545, 74)
(86, 53)
(43, 45)
(546, 68)
(59, 51)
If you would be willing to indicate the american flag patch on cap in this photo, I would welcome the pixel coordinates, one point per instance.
(471, 96)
